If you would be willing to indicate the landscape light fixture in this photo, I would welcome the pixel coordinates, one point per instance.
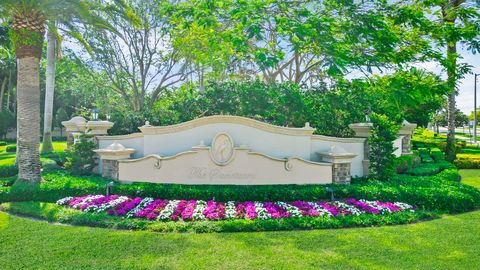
(109, 190)
(330, 190)
(95, 113)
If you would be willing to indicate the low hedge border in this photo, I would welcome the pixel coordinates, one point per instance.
(441, 192)
(54, 213)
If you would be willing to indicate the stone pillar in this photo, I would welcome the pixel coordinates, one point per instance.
(363, 130)
(75, 125)
(341, 164)
(406, 131)
(109, 158)
(98, 127)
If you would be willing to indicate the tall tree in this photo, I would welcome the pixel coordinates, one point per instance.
(138, 57)
(297, 41)
(47, 145)
(450, 24)
(28, 19)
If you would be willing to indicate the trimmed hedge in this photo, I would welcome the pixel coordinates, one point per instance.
(11, 149)
(439, 192)
(55, 213)
(9, 170)
(426, 169)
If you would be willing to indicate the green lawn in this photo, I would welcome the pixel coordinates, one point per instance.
(471, 177)
(448, 243)
(9, 158)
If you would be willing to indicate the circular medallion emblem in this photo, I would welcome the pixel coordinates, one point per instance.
(222, 150)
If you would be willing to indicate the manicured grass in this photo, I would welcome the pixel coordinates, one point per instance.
(7, 159)
(448, 243)
(471, 177)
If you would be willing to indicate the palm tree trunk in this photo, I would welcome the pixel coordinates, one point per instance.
(2, 92)
(28, 119)
(49, 91)
(29, 28)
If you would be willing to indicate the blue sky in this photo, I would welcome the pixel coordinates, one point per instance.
(465, 86)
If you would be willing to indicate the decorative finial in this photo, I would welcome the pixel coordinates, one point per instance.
(147, 123)
(307, 125)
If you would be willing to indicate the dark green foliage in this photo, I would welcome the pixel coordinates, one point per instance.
(3, 143)
(54, 213)
(8, 170)
(429, 168)
(440, 192)
(81, 158)
(437, 155)
(7, 121)
(11, 149)
(380, 141)
(405, 162)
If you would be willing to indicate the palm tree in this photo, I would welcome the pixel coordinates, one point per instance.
(28, 19)
(49, 91)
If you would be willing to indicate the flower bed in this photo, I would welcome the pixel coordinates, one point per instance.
(188, 210)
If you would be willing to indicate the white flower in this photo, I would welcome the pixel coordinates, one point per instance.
(261, 211)
(64, 200)
(404, 206)
(292, 210)
(87, 200)
(198, 211)
(352, 209)
(146, 201)
(230, 210)
(322, 211)
(167, 212)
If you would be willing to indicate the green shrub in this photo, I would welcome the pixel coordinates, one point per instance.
(55, 213)
(11, 149)
(9, 170)
(382, 160)
(441, 192)
(437, 154)
(3, 143)
(81, 158)
(403, 163)
(466, 163)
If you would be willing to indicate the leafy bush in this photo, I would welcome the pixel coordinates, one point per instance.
(8, 170)
(3, 143)
(424, 138)
(403, 163)
(440, 192)
(437, 154)
(383, 133)
(11, 149)
(81, 158)
(55, 213)
(429, 168)
(467, 163)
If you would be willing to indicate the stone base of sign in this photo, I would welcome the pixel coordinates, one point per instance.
(341, 173)
(341, 164)
(406, 141)
(110, 169)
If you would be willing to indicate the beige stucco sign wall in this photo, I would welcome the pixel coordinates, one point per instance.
(225, 149)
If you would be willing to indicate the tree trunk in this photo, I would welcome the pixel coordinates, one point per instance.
(2, 92)
(28, 119)
(9, 89)
(451, 67)
(30, 27)
(49, 92)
